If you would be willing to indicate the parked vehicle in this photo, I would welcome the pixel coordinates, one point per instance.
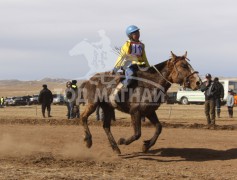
(9, 101)
(186, 96)
(58, 99)
(34, 99)
(19, 101)
(27, 99)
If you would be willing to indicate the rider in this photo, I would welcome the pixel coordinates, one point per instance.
(132, 57)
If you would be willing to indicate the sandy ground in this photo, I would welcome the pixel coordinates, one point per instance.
(35, 148)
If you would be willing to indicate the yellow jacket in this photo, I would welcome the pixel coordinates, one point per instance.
(133, 52)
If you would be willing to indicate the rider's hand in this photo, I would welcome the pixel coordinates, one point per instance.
(111, 73)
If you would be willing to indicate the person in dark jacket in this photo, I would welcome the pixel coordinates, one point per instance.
(210, 89)
(219, 95)
(68, 96)
(74, 106)
(45, 99)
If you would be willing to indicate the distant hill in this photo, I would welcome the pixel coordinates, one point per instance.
(9, 88)
(59, 80)
(15, 87)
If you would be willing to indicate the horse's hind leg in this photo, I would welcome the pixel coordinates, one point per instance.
(90, 108)
(136, 123)
(108, 112)
(155, 121)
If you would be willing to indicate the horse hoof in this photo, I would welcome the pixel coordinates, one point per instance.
(146, 146)
(121, 141)
(88, 142)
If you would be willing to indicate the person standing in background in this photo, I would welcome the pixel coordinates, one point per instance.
(45, 99)
(210, 92)
(68, 96)
(230, 103)
(76, 110)
(2, 102)
(219, 95)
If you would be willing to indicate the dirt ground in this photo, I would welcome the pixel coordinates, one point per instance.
(35, 148)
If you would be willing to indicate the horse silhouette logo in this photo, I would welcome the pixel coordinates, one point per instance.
(99, 55)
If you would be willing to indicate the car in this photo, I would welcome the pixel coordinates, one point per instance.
(58, 99)
(34, 99)
(187, 96)
(17, 101)
(9, 101)
(27, 99)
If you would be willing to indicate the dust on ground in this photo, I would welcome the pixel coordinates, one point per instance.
(32, 147)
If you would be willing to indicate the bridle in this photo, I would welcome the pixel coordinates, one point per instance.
(187, 79)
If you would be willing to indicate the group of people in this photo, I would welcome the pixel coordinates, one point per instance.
(71, 94)
(73, 108)
(46, 99)
(214, 94)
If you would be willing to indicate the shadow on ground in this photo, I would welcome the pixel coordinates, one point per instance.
(185, 154)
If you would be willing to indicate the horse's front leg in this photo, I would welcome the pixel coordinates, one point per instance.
(136, 123)
(155, 121)
(89, 109)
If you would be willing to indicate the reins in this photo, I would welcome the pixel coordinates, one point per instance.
(195, 72)
(161, 75)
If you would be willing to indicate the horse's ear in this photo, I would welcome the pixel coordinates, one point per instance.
(185, 55)
(173, 55)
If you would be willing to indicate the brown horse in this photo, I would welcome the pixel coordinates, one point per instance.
(142, 99)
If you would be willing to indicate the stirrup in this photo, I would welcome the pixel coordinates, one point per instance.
(112, 96)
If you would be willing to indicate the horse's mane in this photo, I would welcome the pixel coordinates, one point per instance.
(159, 66)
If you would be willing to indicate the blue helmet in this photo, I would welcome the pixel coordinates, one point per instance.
(131, 29)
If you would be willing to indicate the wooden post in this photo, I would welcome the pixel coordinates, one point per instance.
(170, 111)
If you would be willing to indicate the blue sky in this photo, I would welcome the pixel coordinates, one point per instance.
(37, 35)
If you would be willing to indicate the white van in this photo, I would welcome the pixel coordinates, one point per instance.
(186, 96)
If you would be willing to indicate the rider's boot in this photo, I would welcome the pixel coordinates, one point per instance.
(114, 94)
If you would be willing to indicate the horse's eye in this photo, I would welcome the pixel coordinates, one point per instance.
(185, 66)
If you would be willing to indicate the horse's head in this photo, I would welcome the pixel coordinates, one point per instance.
(182, 72)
